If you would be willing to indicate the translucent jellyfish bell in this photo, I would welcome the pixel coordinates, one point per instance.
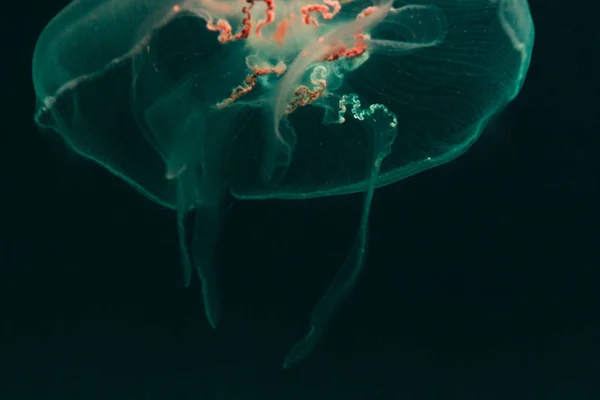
(192, 100)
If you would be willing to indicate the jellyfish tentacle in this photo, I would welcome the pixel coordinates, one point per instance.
(206, 233)
(184, 203)
(209, 212)
(382, 125)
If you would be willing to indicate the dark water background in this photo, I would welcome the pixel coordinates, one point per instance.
(482, 279)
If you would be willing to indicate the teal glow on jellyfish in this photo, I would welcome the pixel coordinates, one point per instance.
(190, 101)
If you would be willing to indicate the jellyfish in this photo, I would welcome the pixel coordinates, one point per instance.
(192, 101)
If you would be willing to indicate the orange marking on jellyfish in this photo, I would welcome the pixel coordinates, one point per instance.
(341, 50)
(309, 19)
(246, 22)
(304, 96)
(225, 30)
(269, 16)
(250, 83)
(281, 30)
(335, 4)
(367, 11)
(323, 9)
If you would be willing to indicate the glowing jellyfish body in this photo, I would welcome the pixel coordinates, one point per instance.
(189, 100)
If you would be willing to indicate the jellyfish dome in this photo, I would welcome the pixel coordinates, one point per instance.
(193, 100)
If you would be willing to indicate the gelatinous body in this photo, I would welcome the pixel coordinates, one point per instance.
(192, 100)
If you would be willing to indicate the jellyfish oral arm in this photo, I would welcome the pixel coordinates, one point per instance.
(382, 126)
